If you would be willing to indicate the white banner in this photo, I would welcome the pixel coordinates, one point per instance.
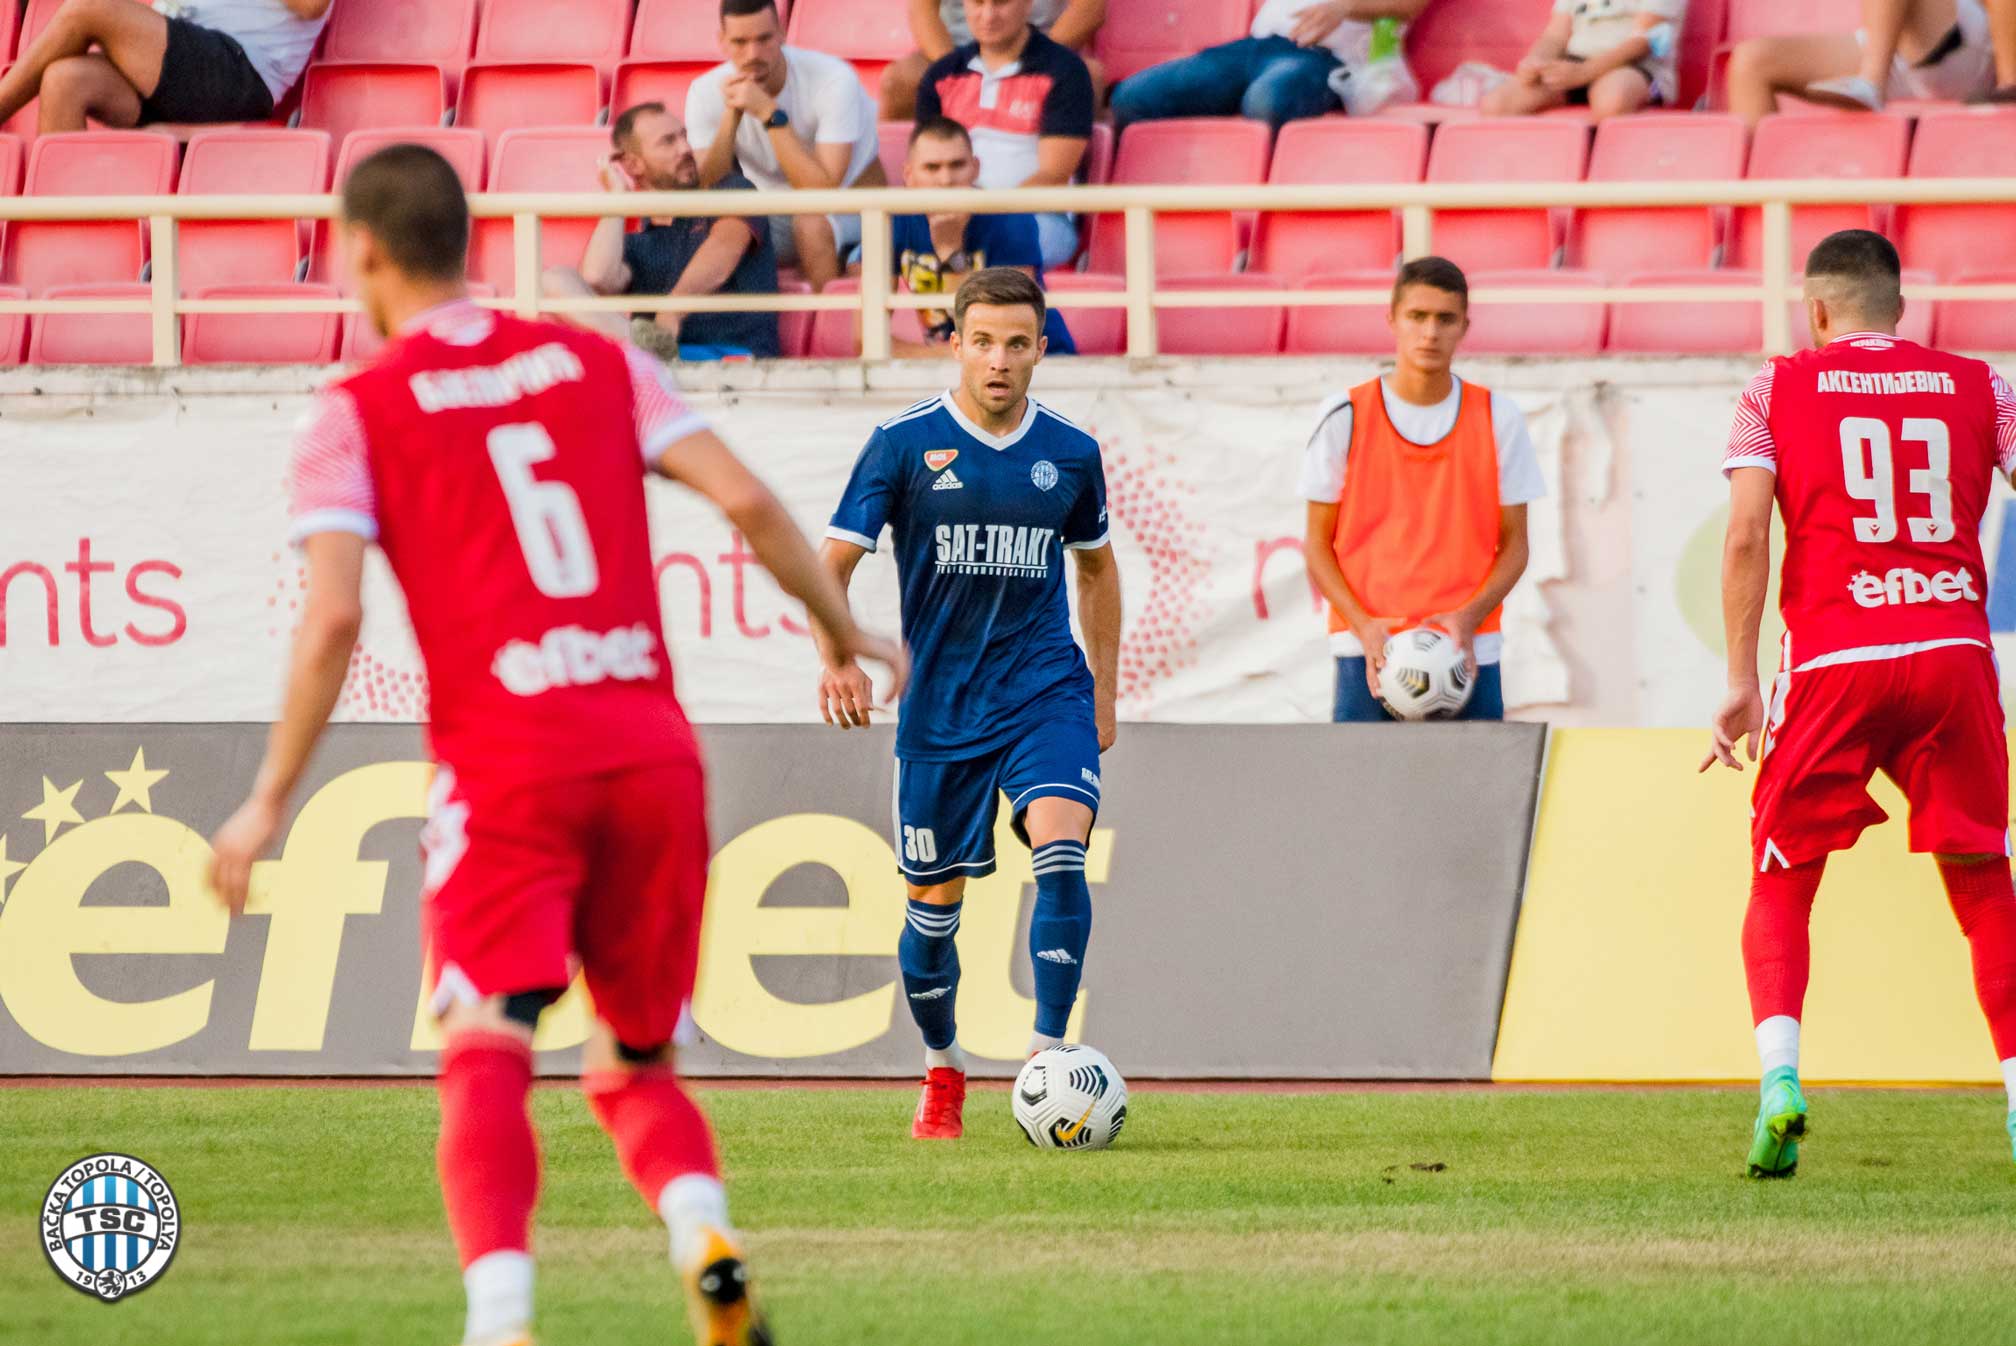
(143, 576)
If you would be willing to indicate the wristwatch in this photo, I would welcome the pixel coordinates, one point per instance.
(775, 120)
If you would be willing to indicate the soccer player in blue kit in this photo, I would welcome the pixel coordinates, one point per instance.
(984, 490)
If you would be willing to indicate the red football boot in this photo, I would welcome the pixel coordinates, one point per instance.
(940, 1106)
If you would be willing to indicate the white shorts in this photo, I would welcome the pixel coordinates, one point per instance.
(846, 236)
(1967, 73)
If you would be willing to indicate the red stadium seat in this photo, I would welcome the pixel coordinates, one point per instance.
(361, 341)
(686, 30)
(1960, 324)
(1337, 150)
(1099, 155)
(1184, 150)
(893, 145)
(1450, 32)
(1094, 331)
(1343, 329)
(261, 338)
(834, 334)
(794, 330)
(1799, 145)
(594, 31)
(10, 22)
(861, 31)
(344, 98)
(1657, 147)
(93, 338)
(558, 159)
(13, 329)
(34, 19)
(1219, 331)
(1767, 18)
(1696, 327)
(10, 165)
(1492, 149)
(499, 98)
(440, 32)
(1142, 33)
(1950, 240)
(1528, 327)
(655, 82)
(1700, 35)
(261, 162)
(83, 163)
(462, 148)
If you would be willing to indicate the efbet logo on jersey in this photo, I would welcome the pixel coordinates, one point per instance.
(1899, 587)
(110, 1225)
(1044, 474)
(568, 656)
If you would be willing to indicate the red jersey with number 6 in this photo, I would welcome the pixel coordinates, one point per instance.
(1884, 451)
(499, 463)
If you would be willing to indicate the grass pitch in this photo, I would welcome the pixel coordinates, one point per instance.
(311, 1216)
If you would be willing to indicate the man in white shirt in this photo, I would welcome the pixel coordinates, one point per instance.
(124, 63)
(790, 118)
(1279, 73)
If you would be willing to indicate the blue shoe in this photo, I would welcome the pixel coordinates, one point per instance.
(2012, 1131)
(1781, 1121)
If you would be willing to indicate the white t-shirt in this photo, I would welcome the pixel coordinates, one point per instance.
(1519, 479)
(1598, 25)
(277, 43)
(823, 98)
(1350, 41)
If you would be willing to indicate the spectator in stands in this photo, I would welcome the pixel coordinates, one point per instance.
(790, 118)
(1281, 72)
(933, 254)
(695, 255)
(1417, 485)
(940, 25)
(2002, 36)
(1027, 101)
(124, 63)
(1610, 56)
(1905, 49)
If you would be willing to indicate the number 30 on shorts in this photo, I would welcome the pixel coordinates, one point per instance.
(919, 846)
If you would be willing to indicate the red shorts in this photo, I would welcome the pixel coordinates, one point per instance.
(1931, 722)
(527, 883)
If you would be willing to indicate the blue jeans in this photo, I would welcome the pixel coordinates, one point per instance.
(1356, 704)
(1269, 79)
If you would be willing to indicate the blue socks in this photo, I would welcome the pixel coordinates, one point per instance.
(1058, 933)
(930, 963)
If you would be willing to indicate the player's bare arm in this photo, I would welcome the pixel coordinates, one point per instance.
(705, 464)
(1099, 613)
(331, 617)
(1506, 568)
(1320, 556)
(846, 695)
(1746, 576)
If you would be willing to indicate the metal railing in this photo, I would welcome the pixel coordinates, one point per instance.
(1137, 207)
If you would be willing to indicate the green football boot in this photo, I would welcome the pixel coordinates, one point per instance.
(1781, 1121)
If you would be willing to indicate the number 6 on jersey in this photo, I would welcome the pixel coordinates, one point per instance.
(552, 532)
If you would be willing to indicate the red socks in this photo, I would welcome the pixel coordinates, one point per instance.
(488, 1158)
(659, 1131)
(1984, 900)
(1777, 948)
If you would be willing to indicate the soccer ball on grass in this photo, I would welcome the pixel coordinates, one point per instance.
(1070, 1098)
(1424, 677)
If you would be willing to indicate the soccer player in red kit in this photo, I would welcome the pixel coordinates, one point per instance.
(498, 464)
(1879, 453)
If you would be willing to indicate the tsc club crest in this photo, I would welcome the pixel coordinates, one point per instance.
(939, 459)
(1044, 474)
(110, 1225)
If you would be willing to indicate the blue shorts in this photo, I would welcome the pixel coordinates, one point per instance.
(945, 810)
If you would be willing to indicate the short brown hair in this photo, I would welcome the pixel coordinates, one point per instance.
(412, 202)
(623, 131)
(941, 128)
(1003, 286)
(1437, 273)
(1864, 269)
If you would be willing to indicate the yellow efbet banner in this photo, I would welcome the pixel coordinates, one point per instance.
(1628, 965)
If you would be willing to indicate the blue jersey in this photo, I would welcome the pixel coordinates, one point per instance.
(981, 525)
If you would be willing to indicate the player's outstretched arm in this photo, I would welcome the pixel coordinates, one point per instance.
(331, 617)
(1099, 616)
(704, 463)
(1746, 576)
(846, 696)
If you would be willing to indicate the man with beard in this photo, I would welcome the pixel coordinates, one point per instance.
(729, 255)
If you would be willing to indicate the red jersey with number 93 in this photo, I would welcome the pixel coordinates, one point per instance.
(499, 463)
(1885, 451)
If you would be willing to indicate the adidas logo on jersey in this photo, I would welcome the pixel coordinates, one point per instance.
(1056, 956)
(949, 482)
(1901, 586)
